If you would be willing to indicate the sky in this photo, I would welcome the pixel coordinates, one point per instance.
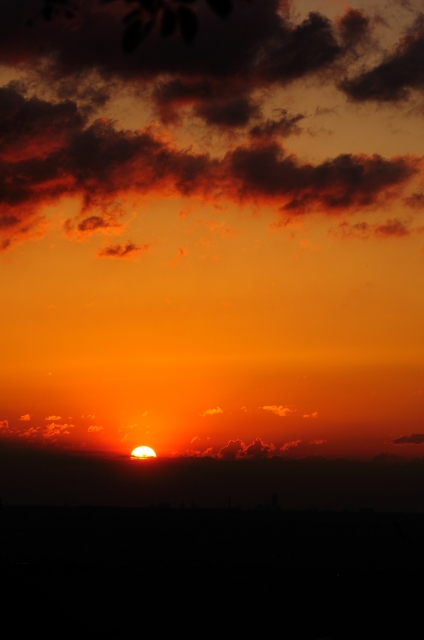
(214, 248)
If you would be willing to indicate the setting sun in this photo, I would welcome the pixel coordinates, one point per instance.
(141, 453)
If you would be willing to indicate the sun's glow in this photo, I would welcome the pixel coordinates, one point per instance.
(141, 453)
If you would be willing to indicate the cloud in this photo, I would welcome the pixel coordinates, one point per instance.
(232, 450)
(212, 412)
(310, 415)
(285, 126)
(105, 167)
(53, 430)
(236, 449)
(95, 429)
(195, 439)
(354, 26)
(121, 250)
(93, 223)
(220, 228)
(47, 432)
(346, 182)
(29, 433)
(416, 201)
(4, 424)
(302, 50)
(180, 255)
(290, 445)
(194, 453)
(231, 112)
(396, 75)
(44, 127)
(318, 442)
(279, 410)
(25, 418)
(415, 438)
(258, 449)
(256, 47)
(392, 228)
(54, 418)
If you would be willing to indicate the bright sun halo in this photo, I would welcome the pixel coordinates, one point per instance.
(141, 453)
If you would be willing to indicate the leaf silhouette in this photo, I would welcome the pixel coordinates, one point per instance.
(169, 23)
(132, 36)
(188, 24)
(222, 7)
(139, 22)
(131, 16)
(47, 12)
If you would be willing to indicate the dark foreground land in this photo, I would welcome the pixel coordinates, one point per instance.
(120, 572)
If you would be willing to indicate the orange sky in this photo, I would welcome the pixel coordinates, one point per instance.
(172, 276)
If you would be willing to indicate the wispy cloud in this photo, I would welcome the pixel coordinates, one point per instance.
(391, 228)
(310, 415)
(127, 250)
(279, 410)
(47, 432)
(212, 412)
(194, 453)
(94, 428)
(180, 255)
(53, 418)
(290, 445)
(25, 418)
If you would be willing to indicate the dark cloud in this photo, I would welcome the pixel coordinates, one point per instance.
(104, 166)
(258, 44)
(233, 112)
(236, 449)
(345, 182)
(324, 111)
(8, 221)
(121, 250)
(284, 126)
(353, 26)
(392, 228)
(258, 449)
(232, 450)
(169, 96)
(93, 223)
(416, 201)
(416, 438)
(97, 162)
(301, 51)
(396, 75)
(214, 102)
(30, 127)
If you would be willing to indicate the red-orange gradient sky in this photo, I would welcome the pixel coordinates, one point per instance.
(214, 248)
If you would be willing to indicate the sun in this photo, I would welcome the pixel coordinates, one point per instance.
(141, 453)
